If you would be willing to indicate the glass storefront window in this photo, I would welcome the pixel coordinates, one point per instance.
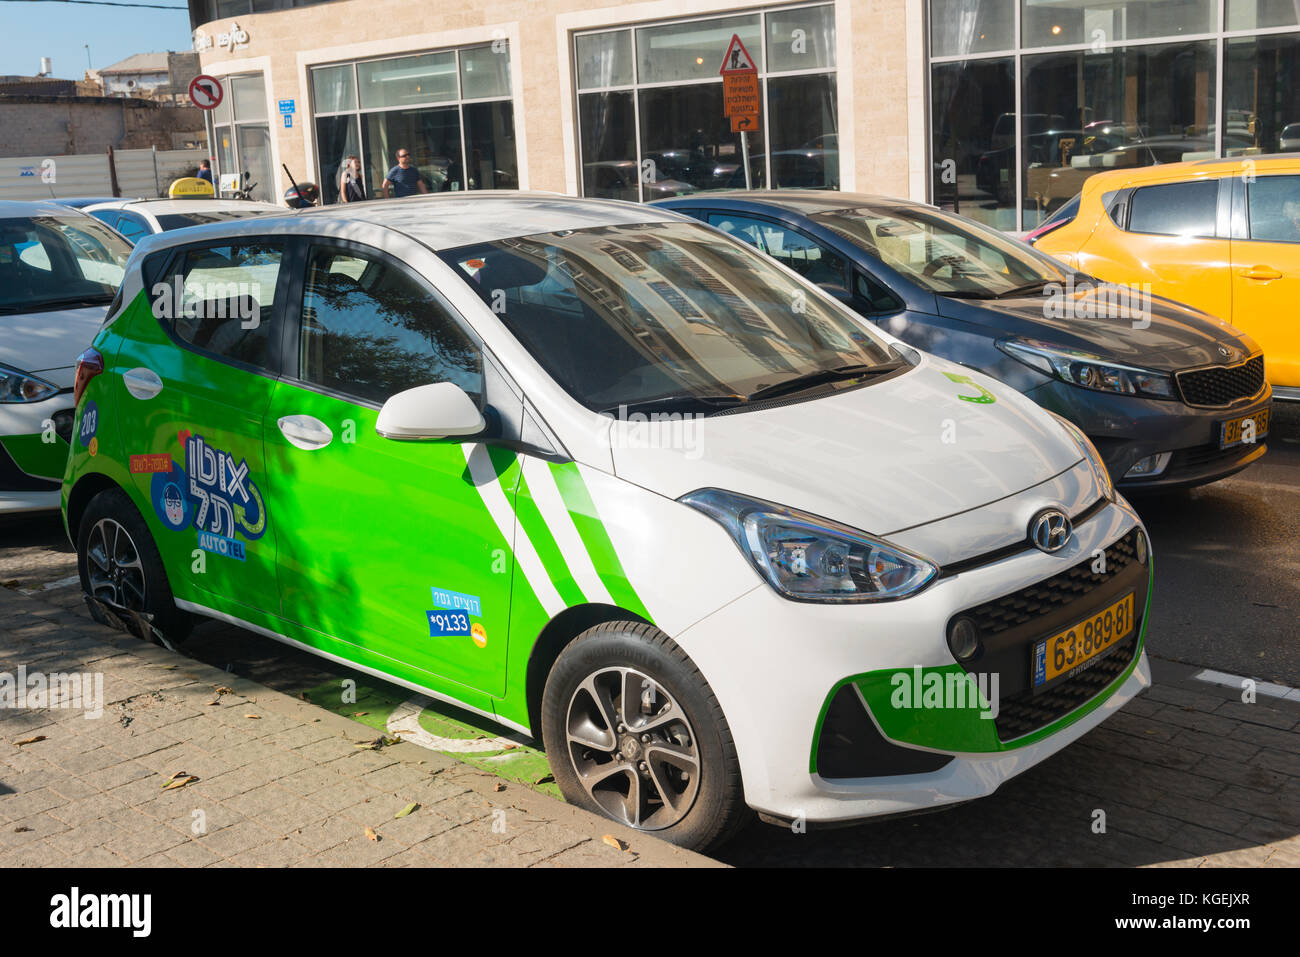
(693, 50)
(333, 89)
(403, 81)
(963, 27)
(484, 72)
(1057, 22)
(973, 151)
(242, 135)
(1261, 95)
(801, 39)
(1262, 14)
(490, 145)
(604, 59)
(666, 132)
(1132, 106)
(431, 136)
(337, 138)
(248, 97)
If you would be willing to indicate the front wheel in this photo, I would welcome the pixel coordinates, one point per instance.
(119, 564)
(634, 733)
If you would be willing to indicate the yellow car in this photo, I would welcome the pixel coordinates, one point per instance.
(1220, 235)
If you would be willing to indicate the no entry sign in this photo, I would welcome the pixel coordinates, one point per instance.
(205, 92)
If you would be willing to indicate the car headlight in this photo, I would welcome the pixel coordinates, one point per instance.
(1089, 371)
(1090, 453)
(18, 386)
(806, 558)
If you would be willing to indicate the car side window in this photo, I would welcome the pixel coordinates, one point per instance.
(875, 297)
(371, 330)
(787, 246)
(1175, 209)
(227, 299)
(1273, 203)
(132, 226)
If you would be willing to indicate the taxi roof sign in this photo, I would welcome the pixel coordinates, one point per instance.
(190, 187)
(737, 58)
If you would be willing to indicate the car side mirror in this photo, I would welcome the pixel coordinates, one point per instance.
(432, 411)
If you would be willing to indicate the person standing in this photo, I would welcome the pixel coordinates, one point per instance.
(352, 184)
(205, 170)
(404, 179)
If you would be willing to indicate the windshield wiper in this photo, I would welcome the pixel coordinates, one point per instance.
(821, 376)
(44, 305)
(1024, 290)
(676, 403)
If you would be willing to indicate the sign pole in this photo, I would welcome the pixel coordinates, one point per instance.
(741, 97)
(744, 154)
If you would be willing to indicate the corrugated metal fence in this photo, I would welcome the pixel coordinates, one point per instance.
(140, 173)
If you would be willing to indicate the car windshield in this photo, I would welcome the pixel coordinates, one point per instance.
(942, 253)
(58, 261)
(169, 221)
(667, 315)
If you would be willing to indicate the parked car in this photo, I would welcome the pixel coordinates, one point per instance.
(59, 270)
(81, 202)
(1221, 235)
(577, 466)
(1289, 141)
(136, 218)
(1162, 390)
(617, 179)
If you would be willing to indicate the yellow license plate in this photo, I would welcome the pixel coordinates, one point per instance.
(1079, 644)
(1233, 431)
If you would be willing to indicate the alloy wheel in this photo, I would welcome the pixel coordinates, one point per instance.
(113, 566)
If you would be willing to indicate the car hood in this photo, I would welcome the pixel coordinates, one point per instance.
(1144, 330)
(48, 343)
(899, 453)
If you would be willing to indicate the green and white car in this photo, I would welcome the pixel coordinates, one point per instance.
(59, 270)
(608, 477)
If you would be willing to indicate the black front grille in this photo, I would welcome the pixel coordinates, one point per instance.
(1187, 459)
(849, 745)
(1070, 586)
(1222, 385)
(1022, 713)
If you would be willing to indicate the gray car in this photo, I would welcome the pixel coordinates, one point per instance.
(1170, 396)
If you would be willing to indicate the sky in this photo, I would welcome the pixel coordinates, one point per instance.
(31, 29)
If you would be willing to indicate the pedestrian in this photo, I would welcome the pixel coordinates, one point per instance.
(205, 170)
(404, 179)
(352, 183)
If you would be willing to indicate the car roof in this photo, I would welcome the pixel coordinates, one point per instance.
(164, 207)
(441, 220)
(807, 202)
(1162, 172)
(17, 208)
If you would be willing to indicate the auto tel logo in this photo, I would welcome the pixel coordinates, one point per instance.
(1050, 530)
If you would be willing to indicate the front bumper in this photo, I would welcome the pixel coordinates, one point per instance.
(1126, 429)
(775, 710)
(34, 452)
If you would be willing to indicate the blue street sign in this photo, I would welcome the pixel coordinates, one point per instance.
(286, 106)
(288, 121)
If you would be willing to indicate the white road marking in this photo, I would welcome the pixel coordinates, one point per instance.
(1269, 688)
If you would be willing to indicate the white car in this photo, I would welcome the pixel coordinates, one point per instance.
(136, 218)
(612, 478)
(59, 270)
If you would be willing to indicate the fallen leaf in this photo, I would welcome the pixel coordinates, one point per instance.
(178, 774)
(359, 714)
(406, 810)
(510, 747)
(255, 717)
(222, 689)
(370, 833)
(544, 779)
(19, 744)
(214, 702)
(498, 786)
(179, 782)
(614, 842)
(21, 828)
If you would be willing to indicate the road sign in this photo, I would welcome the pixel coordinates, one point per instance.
(737, 59)
(288, 121)
(740, 92)
(206, 92)
(287, 106)
(744, 123)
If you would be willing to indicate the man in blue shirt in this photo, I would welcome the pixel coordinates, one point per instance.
(205, 170)
(404, 179)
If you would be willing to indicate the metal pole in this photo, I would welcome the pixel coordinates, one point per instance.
(744, 153)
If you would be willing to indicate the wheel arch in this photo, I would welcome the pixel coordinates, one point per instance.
(553, 638)
(85, 489)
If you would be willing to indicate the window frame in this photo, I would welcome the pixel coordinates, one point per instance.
(290, 332)
(847, 267)
(1216, 231)
(1244, 205)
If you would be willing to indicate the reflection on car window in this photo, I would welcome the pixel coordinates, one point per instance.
(51, 261)
(660, 312)
(1274, 203)
(227, 301)
(371, 330)
(789, 247)
(170, 221)
(940, 252)
(1175, 209)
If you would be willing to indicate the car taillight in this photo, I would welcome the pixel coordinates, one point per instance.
(89, 364)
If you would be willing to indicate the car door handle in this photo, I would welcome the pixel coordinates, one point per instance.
(1260, 272)
(142, 383)
(305, 432)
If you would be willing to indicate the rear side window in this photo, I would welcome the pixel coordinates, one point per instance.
(1274, 205)
(1175, 209)
(787, 246)
(221, 300)
(370, 330)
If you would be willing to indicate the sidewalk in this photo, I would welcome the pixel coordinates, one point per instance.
(274, 781)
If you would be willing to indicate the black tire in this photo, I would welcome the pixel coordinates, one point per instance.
(704, 812)
(149, 591)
